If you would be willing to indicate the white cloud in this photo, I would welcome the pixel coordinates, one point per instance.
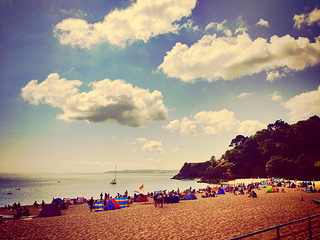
(263, 22)
(307, 19)
(304, 105)
(219, 27)
(188, 25)
(272, 75)
(140, 21)
(108, 101)
(213, 122)
(228, 58)
(244, 94)
(151, 146)
(175, 150)
(276, 96)
(210, 123)
(250, 126)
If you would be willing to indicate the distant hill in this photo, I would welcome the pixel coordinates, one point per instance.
(281, 150)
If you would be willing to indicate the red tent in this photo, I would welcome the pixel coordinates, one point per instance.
(140, 198)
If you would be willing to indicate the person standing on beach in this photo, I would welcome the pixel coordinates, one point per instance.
(91, 202)
(155, 199)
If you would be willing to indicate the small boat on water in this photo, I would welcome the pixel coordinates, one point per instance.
(115, 176)
(316, 201)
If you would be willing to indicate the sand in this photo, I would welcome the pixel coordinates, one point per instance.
(222, 217)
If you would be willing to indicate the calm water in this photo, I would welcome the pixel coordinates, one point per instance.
(38, 187)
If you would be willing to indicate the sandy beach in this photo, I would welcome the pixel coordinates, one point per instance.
(221, 217)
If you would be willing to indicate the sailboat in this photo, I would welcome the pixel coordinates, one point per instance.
(115, 174)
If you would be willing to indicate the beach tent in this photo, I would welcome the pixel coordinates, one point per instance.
(112, 204)
(190, 196)
(173, 199)
(228, 189)
(270, 190)
(140, 198)
(221, 191)
(57, 201)
(50, 210)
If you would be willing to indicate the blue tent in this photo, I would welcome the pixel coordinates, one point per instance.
(220, 191)
(112, 204)
(173, 199)
(58, 201)
(190, 196)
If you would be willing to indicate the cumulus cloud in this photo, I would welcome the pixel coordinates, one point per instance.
(140, 21)
(276, 96)
(108, 101)
(304, 105)
(263, 22)
(228, 58)
(151, 146)
(307, 19)
(212, 122)
(250, 126)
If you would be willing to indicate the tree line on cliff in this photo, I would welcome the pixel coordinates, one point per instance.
(281, 150)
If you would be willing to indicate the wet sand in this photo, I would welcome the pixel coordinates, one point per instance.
(222, 217)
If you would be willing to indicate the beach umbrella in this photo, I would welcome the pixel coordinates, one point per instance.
(190, 196)
(112, 204)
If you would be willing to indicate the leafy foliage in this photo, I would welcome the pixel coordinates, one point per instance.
(281, 150)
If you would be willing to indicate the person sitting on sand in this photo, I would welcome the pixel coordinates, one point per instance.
(26, 212)
(35, 204)
(282, 190)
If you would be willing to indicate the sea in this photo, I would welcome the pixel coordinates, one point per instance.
(30, 187)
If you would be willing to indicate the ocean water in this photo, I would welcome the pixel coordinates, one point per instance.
(27, 188)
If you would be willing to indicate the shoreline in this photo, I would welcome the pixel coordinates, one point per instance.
(221, 217)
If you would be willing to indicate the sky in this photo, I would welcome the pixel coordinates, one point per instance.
(87, 85)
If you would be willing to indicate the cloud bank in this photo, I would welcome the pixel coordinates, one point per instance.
(228, 58)
(140, 21)
(108, 101)
(213, 122)
(304, 105)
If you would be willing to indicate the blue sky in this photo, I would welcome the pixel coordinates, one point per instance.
(149, 84)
